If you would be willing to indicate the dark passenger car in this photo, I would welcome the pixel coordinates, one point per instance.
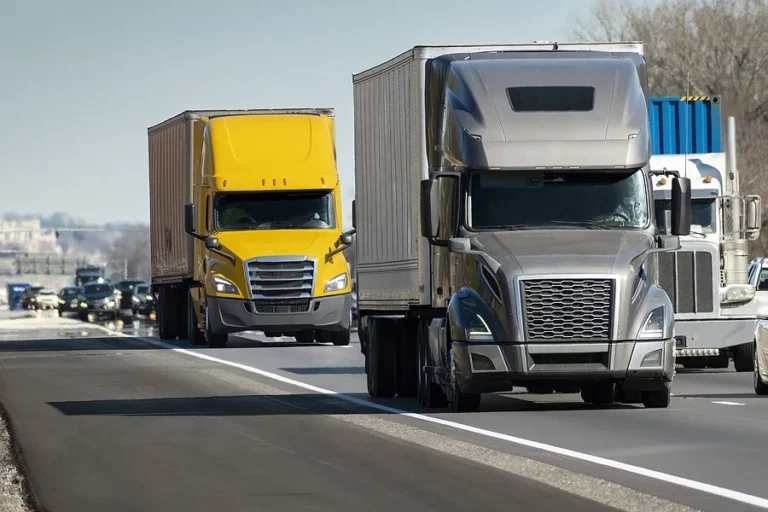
(127, 289)
(68, 299)
(99, 299)
(143, 301)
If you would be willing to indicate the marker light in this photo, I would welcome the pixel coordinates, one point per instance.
(663, 181)
(708, 179)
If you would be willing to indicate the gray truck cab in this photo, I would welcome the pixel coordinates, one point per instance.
(540, 216)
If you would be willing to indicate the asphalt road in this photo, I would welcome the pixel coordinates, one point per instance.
(106, 419)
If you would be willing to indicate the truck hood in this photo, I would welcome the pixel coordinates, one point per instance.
(563, 251)
(251, 244)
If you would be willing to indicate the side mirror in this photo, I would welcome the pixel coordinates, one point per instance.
(212, 243)
(189, 218)
(681, 206)
(752, 217)
(430, 215)
(354, 214)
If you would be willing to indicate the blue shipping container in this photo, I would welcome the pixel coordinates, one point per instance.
(685, 124)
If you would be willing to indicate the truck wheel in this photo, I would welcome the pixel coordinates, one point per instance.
(166, 314)
(181, 299)
(407, 359)
(430, 394)
(341, 338)
(744, 357)
(656, 399)
(195, 335)
(216, 340)
(599, 393)
(461, 401)
(381, 360)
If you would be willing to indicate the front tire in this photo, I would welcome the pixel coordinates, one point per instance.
(744, 357)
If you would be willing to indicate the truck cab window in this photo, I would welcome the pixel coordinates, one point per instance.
(703, 215)
(274, 210)
(543, 199)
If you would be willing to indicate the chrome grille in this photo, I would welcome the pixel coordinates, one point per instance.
(276, 279)
(568, 309)
(688, 279)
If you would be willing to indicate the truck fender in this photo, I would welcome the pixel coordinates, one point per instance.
(465, 309)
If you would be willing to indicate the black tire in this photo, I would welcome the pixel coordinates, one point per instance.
(341, 338)
(744, 357)
(461, 402)
(216, 340)
(195, 335)
(599, 393)
(656, 399)
(381, 360)
(181, 299)
(305, 337)
(761, 388)
(407, 359)
(694, 363)
(430, 394)
(166, 314)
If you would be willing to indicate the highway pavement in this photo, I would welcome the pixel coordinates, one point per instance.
(108, 415)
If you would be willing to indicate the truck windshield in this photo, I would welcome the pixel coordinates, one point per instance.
(703, 218)
(275, 210)
(543, 199)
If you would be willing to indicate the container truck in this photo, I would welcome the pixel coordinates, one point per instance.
(505, 231)
(245, 221)
(707, 279)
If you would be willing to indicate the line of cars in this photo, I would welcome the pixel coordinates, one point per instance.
(95, 300)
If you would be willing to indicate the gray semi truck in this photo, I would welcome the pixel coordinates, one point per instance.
(505, 225)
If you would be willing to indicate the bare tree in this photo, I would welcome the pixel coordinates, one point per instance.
(132, 247)
(702, 47)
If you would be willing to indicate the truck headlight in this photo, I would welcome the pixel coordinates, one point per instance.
(478, 330)
(337, 283)
(135, 299)
(737, 293)
(653, 327)
(223, 285)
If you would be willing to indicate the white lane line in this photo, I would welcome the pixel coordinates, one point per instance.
(723, 402)
(629, 468)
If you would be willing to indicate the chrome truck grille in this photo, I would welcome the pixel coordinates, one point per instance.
(688, 279)
(281, 285)
(573, 309)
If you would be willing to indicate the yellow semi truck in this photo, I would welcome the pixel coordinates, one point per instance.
(246, 226)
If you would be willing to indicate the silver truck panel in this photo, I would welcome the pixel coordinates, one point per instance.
(390, 162)
(400, 128)
(481, 129)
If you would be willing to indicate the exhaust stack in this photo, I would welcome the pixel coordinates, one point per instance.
(735, 250)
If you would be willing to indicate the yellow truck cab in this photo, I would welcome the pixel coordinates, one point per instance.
(261, 226)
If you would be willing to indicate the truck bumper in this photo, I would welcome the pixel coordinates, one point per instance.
(640, 365)
(698, 337)
(236, 315)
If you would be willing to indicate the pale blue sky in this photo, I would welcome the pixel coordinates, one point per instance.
(82, 80)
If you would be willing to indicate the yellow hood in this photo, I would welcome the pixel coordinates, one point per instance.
(287, 242)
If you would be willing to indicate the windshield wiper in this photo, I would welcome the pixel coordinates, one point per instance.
(589, 224)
